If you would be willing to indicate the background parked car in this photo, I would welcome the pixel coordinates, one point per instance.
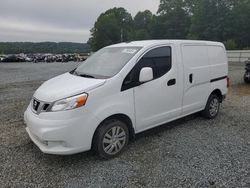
(247, 73)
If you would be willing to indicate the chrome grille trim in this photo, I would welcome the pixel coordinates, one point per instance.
(37, 106)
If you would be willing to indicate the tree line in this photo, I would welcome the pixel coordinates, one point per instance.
(43, 47)
(227, 21)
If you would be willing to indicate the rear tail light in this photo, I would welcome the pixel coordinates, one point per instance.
(228, 82)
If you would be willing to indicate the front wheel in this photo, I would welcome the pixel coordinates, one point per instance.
(111, 138)
(212, 107)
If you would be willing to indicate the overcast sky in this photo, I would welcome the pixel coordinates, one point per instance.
(58, 20)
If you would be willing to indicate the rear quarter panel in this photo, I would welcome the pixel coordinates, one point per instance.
(218, 67)
(218, 61)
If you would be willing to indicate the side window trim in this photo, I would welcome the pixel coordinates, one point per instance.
(152, 48)
(136, 84)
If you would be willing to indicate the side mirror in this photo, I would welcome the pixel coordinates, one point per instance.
(146, 74)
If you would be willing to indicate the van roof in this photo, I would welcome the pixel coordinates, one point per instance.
(145, 43)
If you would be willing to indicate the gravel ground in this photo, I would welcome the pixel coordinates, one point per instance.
(191, 152)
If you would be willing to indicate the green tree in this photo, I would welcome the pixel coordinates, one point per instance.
(141, 26)
(173, 21)
(241, 23)
(220, 20)
(212, 20)
(142, 20)
(230, 44)
(168, 6)
(43, 47)
(111, 27)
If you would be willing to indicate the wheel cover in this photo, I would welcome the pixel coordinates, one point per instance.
(214, 107)
(114, 140)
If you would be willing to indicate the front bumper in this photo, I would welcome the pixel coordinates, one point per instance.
(61, 133)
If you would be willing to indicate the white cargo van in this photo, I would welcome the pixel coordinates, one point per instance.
(125, 89)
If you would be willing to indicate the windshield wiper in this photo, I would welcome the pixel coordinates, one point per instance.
(74, 72)
(85, 75)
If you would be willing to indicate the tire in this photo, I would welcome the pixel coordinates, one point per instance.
(212, 107)
(111, 138)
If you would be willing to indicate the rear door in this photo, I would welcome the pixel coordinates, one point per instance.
(196, 77)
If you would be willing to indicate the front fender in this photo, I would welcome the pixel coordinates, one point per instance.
(108, 110)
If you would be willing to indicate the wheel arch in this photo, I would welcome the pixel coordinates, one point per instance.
(122, 117)
(218, 93)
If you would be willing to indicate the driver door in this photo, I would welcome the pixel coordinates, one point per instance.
(158, 100)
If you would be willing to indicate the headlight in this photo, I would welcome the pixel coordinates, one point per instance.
(70, 103)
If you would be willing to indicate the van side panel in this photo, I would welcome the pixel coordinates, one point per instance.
(196, 77)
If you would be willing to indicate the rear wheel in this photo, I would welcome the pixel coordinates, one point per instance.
(111, 138)
(212, 107)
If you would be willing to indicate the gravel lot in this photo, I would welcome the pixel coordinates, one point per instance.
(191, 152)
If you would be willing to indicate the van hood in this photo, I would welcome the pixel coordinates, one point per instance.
(64, 86)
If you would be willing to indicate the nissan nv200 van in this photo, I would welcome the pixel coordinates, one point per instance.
(124, 89)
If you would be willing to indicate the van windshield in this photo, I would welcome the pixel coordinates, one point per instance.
(106, 62)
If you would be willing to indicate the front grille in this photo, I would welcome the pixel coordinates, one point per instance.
(39, 106)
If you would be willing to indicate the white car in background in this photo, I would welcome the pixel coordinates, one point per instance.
(125, 89)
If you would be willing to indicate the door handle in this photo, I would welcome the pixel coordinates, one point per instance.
(191, 78)
(171, 82)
